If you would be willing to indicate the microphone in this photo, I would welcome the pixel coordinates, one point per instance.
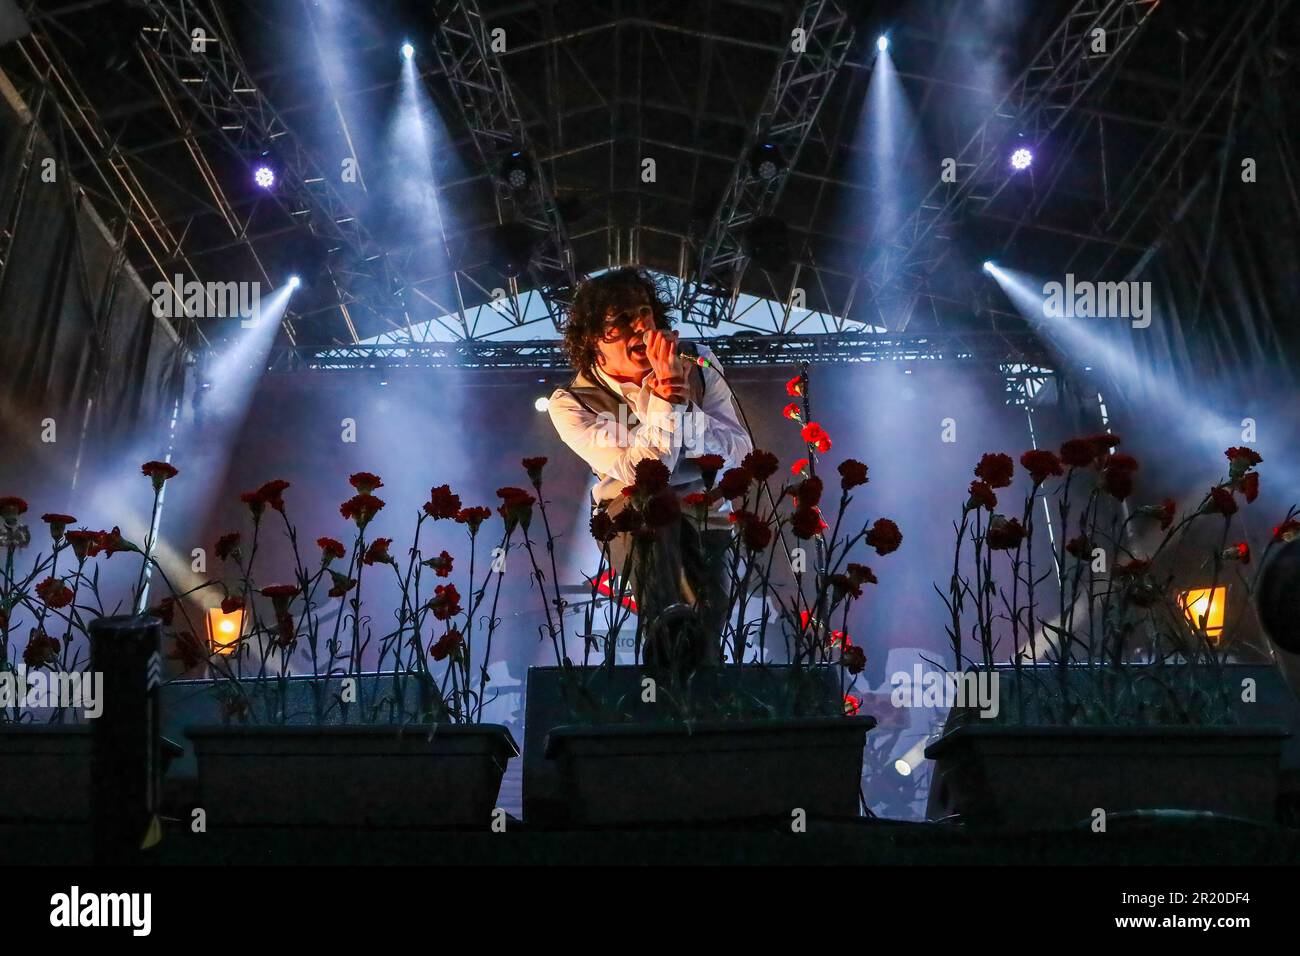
(688, 354)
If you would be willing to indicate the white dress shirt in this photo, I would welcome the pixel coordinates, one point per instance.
(670, 433)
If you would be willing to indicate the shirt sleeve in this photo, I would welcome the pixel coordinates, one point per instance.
(611, 448)
(716, 425)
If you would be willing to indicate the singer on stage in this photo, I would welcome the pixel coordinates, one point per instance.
(630, 368)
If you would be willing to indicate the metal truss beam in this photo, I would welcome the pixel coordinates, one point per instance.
(1052, 85)
(1021, 348)
(193, 48)
(482, 92)
(803, 76)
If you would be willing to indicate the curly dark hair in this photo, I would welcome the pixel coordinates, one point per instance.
(616, 289)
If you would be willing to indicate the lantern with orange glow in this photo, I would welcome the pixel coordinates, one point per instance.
(224, 629)
(1205, 604)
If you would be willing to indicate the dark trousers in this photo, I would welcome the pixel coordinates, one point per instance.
(682, 566)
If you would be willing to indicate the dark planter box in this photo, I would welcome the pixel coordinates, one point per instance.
(1035, 776)
(710, 771)
(445, 776)
(588, 696)
(45, 772)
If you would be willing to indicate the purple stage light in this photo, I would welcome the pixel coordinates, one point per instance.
(264, 176)
(1021, 159)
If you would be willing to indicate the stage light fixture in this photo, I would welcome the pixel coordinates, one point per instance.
(766, 161)
(264, 176)
(882, 43)
(516, 172)
(1022, 159)
(294, 282)
(1207, 604)
(408, 51)
(903, 768)
(989, 266)
(224, 629)
(542, 403)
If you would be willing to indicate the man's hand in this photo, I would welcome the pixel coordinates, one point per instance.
(670, 379)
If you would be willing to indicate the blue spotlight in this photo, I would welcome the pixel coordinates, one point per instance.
(882, 43)
(408, 51)
(1022, 159)
(294, 282)
(264, 176)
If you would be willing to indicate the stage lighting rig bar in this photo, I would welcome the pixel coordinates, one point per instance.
(473, 70)
(988, 346)
(803, 76)
(1052, 85)
(210, 73)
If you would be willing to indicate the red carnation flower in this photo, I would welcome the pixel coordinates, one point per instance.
(852, 473)
(111, 542)
(851, 705)
(1287, 530)
(884, 536)
(54, 592)
(755, 533)
(1077, 453)
(11, 506)
(365, 482)
(441, 565)
(361, 509)
(1241, 460)
(813, 434)
(800, 467)
(1221, 502)
(57, 524)
(861, 574)
(981, 496)
(1004, 533)
(1238, 552)
(534, 468)
(794, 386)
(809, 493)
(735, 483)
(996, 469)
(1249, 485)
(82, 542)
(1080, 547)
(228, 546)
(761, 464)
(1041, 465)
(516, 507)
(231, 604)
(854, 659)
(446, 645)
(792, 412)
(1117, 475)
(445, 602)
(443, 504)
(473, 517)
(709, 466)
(272, 493)
(330, 549)
(602, 527)
(159, 472)
(651, 476)
(274, 591)
(42, 650)
(377, 553)
(842, 584)
(256, 504)
(806, 522)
